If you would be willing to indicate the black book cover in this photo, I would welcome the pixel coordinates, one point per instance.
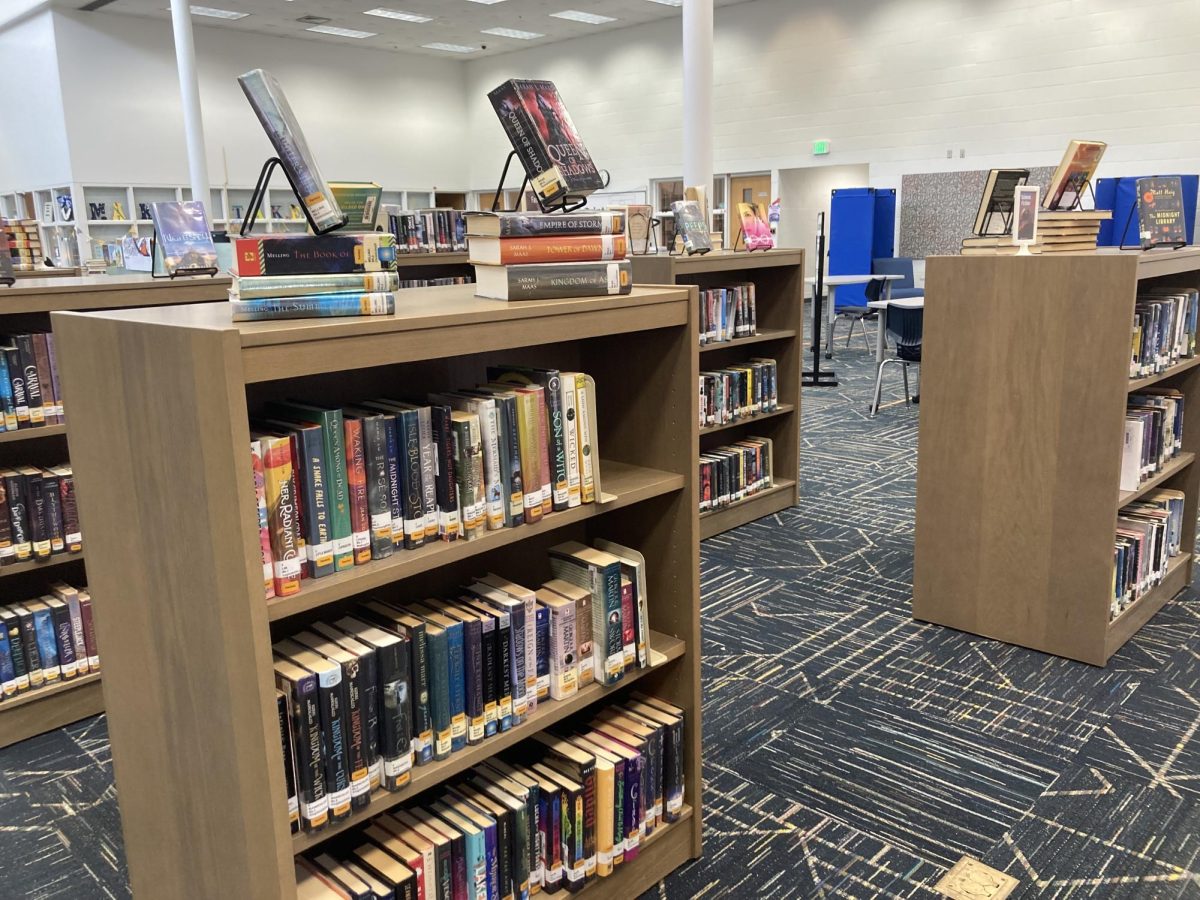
(446, 481)
(489, 663)
(413, 631)
(33, 656)
(52, 494)
(364, 710)
(408, 422)
(16, 380)
(375, 429)
(504, 670)
(27, 360)
(8, 552)
(554, 281)
(18, 515)
(64, 637)
(304, 720)
(580, 766)
(395, 478)
(1160, 212)
(12, 627)
(473, 676)
(39, 521)
(289, 770)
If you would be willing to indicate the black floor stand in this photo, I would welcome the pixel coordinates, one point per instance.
(815, 377)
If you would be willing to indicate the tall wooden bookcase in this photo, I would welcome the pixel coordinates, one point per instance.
(1025, 375)
(778, 277)
(25, 306)
(160, 404)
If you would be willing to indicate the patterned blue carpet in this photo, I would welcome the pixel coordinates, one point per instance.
(849, 751)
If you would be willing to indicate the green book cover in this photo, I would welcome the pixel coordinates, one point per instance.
(439, 688)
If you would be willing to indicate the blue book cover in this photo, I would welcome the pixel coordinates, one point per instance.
(316, 306)
(184, 239)
(8, 674)
(395, 479)
(543, 652)
(43, 624)
(7, 405)
(490, 845)
(439, 688)
(458, 691)
(474, 851)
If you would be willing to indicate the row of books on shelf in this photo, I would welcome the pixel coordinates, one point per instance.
(571, 806)
(46, 641)
(1058, 231)
(391, 686)
(30, 394)
(537, 256)
(1153, 434)
(1149, 535)
(441, 230)
(728, 313)
(341, 487)
(20, 240)
(1164, 330)
(734, 472)
(739, 392)
(38, 514)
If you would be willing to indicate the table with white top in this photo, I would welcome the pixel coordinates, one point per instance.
(832, 282)
(882, 305)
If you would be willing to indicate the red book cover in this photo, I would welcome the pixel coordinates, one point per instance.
(89, 630)
(567, 248)
(356, 480)
(282, 515)
(264, 530)
(628, 636)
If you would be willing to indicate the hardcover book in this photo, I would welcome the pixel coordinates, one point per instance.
(510, 251)
(260, 287)
(544, 138)
(1160, 212)
(183, 236)
(542, 225)
(997, 200)
(305, 254)
(359, 202)
(756, 230)
(1071, 177)
(690, 224)
(554, 281)
(279, 122)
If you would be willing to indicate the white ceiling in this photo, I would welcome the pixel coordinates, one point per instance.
(453, 21)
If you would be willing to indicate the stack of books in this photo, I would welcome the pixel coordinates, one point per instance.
(342, 487)
(298, 276)
(734, 472)
(46, 641)
(1058, 231)
(1165, 322)
(38, 514)
(739, 392)
(441, 230)
(565, 810)
(20, 237)
(542, 256)
(30, 395)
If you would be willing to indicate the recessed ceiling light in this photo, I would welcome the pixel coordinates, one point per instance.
(668, 2)
(450, 48)
(341, 32)
(513, 33)
(586, 17)
(216, 13)
(397, 14)
(487, 2)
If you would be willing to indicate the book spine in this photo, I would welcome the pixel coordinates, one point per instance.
(8, 674)
(564, 671)
(41, 356)
(422, 715)
(89, 631)
(542, 648)
(7, 405)
(445, 477)
(70, 513)
(358, 762)
(395, 478)
(33, 652)
(491, 677)
(489, 430)
(281, 513)
(39, 518)
(64, 639)
(456, 672)
(333, 433)
(439, 693)
(11, 626)
(516, 636)
(8, 552)
(531, 465)
(324, 306)
(548, 281)
(469, 469)
(473, 681)
(585, 640)
(395, 712)
(356, 491)
(264, 528)
(556, 447)
(526, 140)
(409, 424)
(504, 698)
(535, 225)
(318, 526)
(16, 380)
(289, 768)
(583, 422)
(606, 624)
(29, 370)
(47, 643)
(570, 433)
(54, 515)
(339, 254)
(628, 623)
(511, 459)
(305, 719)
(332, 697)
(82, 657)
(369, 662)
(375, 431)
(18, 516)
(545, 453)
(429, 465)
(562, 248)
(265, 288)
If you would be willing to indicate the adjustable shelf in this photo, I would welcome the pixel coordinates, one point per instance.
(1020, 452)
(778, 277)
(184, 631)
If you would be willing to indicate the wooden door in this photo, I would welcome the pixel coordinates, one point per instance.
(754, 189)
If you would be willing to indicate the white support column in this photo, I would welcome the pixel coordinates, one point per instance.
(697, 96)
(189, 90)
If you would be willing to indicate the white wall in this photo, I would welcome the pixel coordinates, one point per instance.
(893, 83)
(805, 192)
(367, 114)
(33, 133)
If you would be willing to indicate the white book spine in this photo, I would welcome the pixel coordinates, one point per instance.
(570, 437)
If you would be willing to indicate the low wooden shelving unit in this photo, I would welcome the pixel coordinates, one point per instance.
(1025, 376)
(778, 277)
(24, 306)
(183, 628)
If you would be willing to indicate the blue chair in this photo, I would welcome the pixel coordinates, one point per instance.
(903, 287)
(905, 327)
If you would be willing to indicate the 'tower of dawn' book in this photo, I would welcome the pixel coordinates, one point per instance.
(541, 132)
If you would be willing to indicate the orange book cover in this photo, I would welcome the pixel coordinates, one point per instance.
(563, 248)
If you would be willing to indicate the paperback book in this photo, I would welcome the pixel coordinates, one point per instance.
(183, 236)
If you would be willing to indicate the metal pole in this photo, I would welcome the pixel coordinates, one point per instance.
(189, 90)
(697, 96)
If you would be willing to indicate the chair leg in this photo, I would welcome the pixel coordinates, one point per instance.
(850, 333)
(874, 408)
(866, 340)
(907, 393)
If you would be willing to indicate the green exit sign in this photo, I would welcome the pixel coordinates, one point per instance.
(820, 148)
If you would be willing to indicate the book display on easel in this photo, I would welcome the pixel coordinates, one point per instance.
(625, 565)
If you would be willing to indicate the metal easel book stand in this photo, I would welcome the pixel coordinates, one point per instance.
(260, 192)
(567, 203)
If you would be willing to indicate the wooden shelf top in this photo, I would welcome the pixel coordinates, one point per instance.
(781, 484)
(1157, 263)
(728, 260)
(90, 292)
(624, 484)
(765, 334)
(44, 693)
(33, 565)
(663, 649)
(1136, 384)
(1171, 469)
(783, 410)
(25, 434)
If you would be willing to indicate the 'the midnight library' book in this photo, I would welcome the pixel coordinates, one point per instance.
(545, 139)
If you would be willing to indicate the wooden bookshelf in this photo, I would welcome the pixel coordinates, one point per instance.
(184, 631)
(434, 265)
(1024, 384)
(26, 306)
(778, 277)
